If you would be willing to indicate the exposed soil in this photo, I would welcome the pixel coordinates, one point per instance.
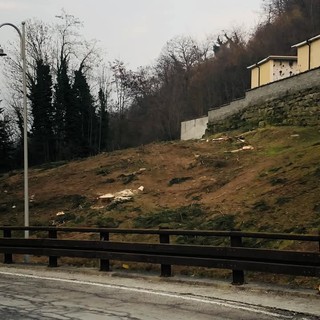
(264, 180)
(273, 186)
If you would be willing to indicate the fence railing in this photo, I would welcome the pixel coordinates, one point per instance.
(235, 257)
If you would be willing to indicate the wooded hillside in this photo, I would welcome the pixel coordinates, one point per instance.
(80, 107)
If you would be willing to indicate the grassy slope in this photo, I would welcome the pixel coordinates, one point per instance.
(192, 185)
(274, 187)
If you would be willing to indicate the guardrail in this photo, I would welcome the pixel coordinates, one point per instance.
(235, 257)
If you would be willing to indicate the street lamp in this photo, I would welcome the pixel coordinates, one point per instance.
(22, 35)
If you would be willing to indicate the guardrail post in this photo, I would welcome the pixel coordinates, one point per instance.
(7, 256)
(104, 263)
(53, 260)
(237, 275)
(165, 268)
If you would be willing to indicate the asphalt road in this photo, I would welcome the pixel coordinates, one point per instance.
(41, 294)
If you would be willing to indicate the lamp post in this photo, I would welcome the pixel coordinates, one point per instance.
(22, 35)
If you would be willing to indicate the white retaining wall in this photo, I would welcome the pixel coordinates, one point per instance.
(194, 129)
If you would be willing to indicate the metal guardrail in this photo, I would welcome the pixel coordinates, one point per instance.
(235, 257)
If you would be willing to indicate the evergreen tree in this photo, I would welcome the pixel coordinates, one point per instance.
(62, 105)
(42, 138)
(103, 121)
(6, 147)
(81, 121)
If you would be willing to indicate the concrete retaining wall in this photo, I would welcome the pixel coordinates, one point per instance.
(272, 90)
(301, 108)
(194, 129)
(291, 101)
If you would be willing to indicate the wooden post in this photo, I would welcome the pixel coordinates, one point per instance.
(165, 268)
(53, 260)
(237, 275)
(104, 263)
(7, 256)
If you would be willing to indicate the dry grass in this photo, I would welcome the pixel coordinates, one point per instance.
(274, 187)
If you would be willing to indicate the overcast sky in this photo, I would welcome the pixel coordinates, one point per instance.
(135, 31)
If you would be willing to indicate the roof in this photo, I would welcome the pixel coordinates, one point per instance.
(300, 44)
(286, 58)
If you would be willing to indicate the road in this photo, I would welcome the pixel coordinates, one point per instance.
(61, 295)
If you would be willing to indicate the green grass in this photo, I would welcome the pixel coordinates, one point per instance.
(103, 171)
(276, 150)
(187, 217)
(103, 221)
(51, 165)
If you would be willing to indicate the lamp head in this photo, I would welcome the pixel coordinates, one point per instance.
(2, 53)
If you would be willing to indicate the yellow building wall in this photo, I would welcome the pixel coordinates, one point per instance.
(254, 78)
(315, 54)
(303, 58)
(266, 72)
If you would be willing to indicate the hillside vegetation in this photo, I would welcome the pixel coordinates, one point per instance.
(78, 107)
(262, 180)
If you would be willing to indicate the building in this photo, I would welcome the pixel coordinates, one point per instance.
(306, 67)
(308, 54)
(271, 69)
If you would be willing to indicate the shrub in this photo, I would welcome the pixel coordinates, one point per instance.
(178, 180)
(282, 200)
(222, 222)
(183, 217)
(107, 222)
(67, 216)
(275, 181)
(103, 171)
(261, 206)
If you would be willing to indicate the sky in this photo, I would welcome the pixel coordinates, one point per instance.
(135, 31)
